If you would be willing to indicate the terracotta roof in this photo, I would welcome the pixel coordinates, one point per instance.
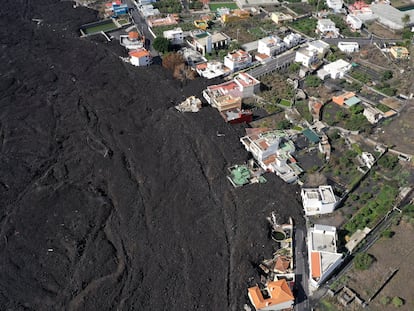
(340, 100)
(316, 264)
(139, 53)
(269, 159)
(282, 263)
(279, 292)
(133, 35)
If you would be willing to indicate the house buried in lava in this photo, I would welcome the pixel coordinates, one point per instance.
(273, 151)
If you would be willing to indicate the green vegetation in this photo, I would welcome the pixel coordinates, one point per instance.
(276, 89)
(388, 233)
(385, 300)
(382, 107)
(363, 261)
(159, 30)
(107, 26)
(303, 109)
(397, 302)
(343, 27)
(386, 89)
(294, 67)
(285, 102)
(312, 81)
(360, 76)
(161, 44)
(357, 121)
(373, 210)
(387, 75)
(214, 6)
(325, 305)
(168, 6)
(306, 26)
(283, 125)
(388, 161)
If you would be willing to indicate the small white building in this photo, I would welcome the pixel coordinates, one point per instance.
(271, 46)
(335, 70)
(368, 159)
(211, 69)
(335, 5)
(292, 39)
(149, 10)
(327, 28)
(237, 60)
(319, 46)
(140, 57)
(316, 201)
(354, 22)
(176, 35)
(348, 47)
(205, 42)
(279, 17)
(372, 114)
(323, 256)
(306, 57)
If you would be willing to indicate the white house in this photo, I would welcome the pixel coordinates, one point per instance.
(149, 10)
(140, 57)
(316, 201)
(291, 40)
(273, 152)
(335, 70)
(275, 296)
(323, 256)
(205, 42)
(306, 57)
(228, 95)
(319, 46)
(348, 47)
(237, 60)
(176, 35)
(211, 69)
(354, 22)
(271, 46)
(368, 159)
(327, 28)
(131, 41)
(335, 5)
(372, 114)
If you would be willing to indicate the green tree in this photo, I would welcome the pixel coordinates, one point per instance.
(406, 19)
(385, 300)
(284, 124)
(388, 233)
(161, 44)
(294, 67)
(312, 81)
(397, 302)
(363, 261)
(387, 75)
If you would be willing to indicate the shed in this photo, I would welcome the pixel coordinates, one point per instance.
(352, 101)
(311, 136)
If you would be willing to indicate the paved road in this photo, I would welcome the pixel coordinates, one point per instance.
(301, 271)
(361, 41)
(140, 23)
(277, 62)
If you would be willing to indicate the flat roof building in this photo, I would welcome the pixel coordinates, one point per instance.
(323, 256)
(390, 16)
(316, 201)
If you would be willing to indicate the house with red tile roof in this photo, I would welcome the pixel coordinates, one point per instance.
(275, 296)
